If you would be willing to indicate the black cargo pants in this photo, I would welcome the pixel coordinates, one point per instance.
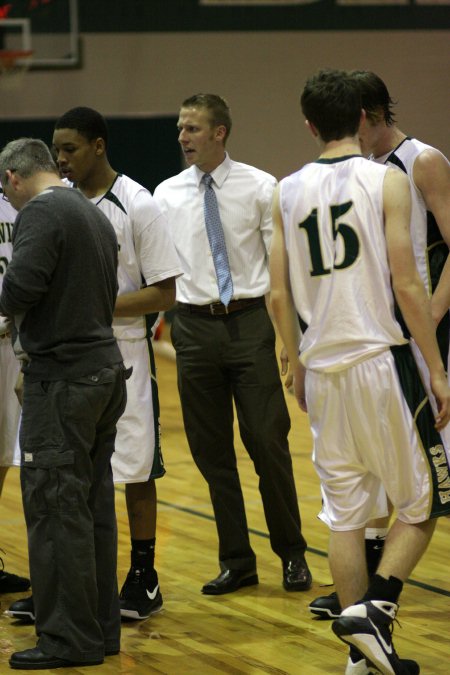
(67, 438)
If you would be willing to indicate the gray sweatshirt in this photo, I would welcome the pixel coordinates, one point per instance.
(61, 285)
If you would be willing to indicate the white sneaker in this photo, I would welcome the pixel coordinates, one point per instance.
(359, 668)
(367, 626)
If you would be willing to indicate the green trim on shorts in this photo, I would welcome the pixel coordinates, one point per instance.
(443, 338)
(419, 405)
(158, 470)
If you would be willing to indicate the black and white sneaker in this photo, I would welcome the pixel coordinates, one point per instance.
(23, 610)
(140, 596)
(357, 665)
(326, 606)
(368, 627)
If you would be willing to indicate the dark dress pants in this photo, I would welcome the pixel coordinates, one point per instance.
(67, 438)
(233, 357)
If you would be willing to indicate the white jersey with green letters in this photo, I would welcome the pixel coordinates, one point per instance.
(7, 218)
(332, 212)
(146, 255)
(430, 250)
(146, 251)
(9, 365)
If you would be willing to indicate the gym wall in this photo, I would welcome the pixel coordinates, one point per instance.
(256, 57)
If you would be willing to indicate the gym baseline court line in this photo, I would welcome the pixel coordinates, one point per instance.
(315, 551)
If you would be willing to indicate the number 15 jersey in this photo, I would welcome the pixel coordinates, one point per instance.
(332, 212)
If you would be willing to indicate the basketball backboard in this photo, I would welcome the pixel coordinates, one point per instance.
(49, 28)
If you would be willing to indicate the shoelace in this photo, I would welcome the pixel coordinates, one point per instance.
(136, 576)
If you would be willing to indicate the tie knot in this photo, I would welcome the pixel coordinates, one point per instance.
(207, 179)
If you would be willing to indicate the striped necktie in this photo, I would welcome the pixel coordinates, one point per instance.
(217, 241)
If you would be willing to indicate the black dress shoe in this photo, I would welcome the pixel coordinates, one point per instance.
(22, 609)
(11, 583)
(229, 581)
(296, 575)
(36, 659)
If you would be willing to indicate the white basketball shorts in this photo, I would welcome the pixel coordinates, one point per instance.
(373, 428)
(137, 455)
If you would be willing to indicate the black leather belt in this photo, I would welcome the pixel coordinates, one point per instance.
(219, 309)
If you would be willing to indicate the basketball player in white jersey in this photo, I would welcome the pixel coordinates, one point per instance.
(148, 266)
(9, 404)
(429, 172)
(342, 234)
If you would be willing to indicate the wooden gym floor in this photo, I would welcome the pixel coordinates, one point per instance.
(261, 629)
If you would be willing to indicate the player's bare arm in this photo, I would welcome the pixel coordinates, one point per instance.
(158, 297)
(284, 361)
(282, 303)
(431, 175)
(408, 287)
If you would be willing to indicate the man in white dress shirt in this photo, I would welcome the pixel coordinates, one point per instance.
(226, 349)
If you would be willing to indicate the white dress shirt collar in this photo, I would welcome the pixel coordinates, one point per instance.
(219, 174)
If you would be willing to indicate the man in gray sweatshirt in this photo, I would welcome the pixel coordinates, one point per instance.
(59, 291)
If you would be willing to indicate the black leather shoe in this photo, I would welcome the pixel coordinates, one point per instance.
(22, 609)
(296, 575)
(36, 659)
(229, 581)
(11, 583)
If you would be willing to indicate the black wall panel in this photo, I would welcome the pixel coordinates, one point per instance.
(144, 148)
